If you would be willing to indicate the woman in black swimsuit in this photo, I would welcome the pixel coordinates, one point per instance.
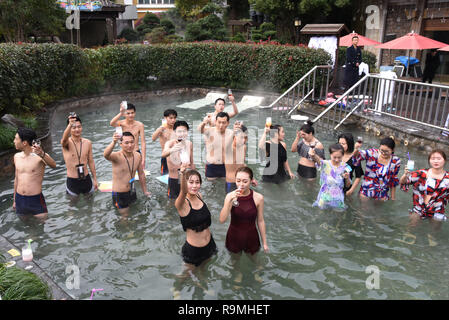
(277, 169)
(195, 219)
(306, 167)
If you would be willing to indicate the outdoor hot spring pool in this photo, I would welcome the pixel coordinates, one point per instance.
(313, 254)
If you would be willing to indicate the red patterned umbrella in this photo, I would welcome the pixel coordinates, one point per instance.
(446, 48)
(346, 41)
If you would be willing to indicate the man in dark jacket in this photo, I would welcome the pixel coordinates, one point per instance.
(353, 60)
(432, 63)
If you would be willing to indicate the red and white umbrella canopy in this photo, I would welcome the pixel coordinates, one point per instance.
(346, 41)
(412, 41)
(446, 48)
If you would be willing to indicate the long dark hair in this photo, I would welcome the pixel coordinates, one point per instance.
(349, 140)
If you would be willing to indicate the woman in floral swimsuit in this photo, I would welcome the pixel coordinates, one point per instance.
(430, 188)
(381, 173)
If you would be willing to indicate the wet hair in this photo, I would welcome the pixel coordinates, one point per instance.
(276, 127)
(127, 134)
(335, 148)
(219, 100)
(307, 128)
(246, 170)
(355, 37)
(242, 129)
(437, 151)
(222, 114)
(193, 172)
(349, 140)
(131, 107)
(388, 142)
(26, 134)
(77, 119)
(169, 112)
(180, 123)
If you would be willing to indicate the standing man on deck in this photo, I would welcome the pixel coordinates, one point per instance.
(77, 152)
(353, 60)
(128, 110)
(217, 138)
(125, 163)
(30, 168)
(165, 132)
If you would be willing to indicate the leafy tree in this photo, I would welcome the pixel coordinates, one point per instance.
(267, 30)
(283, 12)
(168, 26)
(20, 19)
(207, 28)
(190, 8)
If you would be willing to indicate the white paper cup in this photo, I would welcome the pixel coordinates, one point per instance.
(411, 165)
(119, 130)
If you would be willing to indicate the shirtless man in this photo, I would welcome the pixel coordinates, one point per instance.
(133, 126)
(236, 156)
(77, 152)
(177, 151)
(219, 107)
(30, 167)
(217, 138)
(165, 132)
(125, 163)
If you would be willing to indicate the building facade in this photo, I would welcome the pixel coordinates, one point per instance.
(396, 18)
(154, 6)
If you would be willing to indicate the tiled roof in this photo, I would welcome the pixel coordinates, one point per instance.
(324, 28)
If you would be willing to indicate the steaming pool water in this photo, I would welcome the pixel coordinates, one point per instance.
(313, 254)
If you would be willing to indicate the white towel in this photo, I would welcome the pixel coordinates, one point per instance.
(363, 68)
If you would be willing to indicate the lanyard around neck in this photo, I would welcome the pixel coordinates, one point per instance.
(76, 149)
(129, 168)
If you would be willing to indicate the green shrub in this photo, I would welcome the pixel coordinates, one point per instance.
(270, 66)
(19, 284)
(210, 27)
(168, 26)
(239, 37)
(129, 34)
(151, 18)
(32, 75)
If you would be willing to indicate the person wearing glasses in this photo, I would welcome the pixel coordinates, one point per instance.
(381, 173)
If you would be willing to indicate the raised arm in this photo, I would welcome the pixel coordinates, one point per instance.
(46, 159)
(234, 106)
(108, 151)
(227, 206)
(263, 138)
(294, 147)
(157, 133)
(66, 134)
(180, 200)
(207, 120)
(115, 122)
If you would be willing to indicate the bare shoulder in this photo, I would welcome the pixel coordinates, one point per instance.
(283, 144)
(258, 197)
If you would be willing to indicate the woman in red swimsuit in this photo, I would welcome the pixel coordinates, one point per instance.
(246, 207)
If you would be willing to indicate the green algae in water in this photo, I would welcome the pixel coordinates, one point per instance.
(18, 284)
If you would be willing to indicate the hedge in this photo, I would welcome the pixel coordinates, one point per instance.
(32, 75)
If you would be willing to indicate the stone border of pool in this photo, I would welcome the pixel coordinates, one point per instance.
(57, 292)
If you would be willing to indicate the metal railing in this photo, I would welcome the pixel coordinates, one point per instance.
(313, 85)
(417, 102)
